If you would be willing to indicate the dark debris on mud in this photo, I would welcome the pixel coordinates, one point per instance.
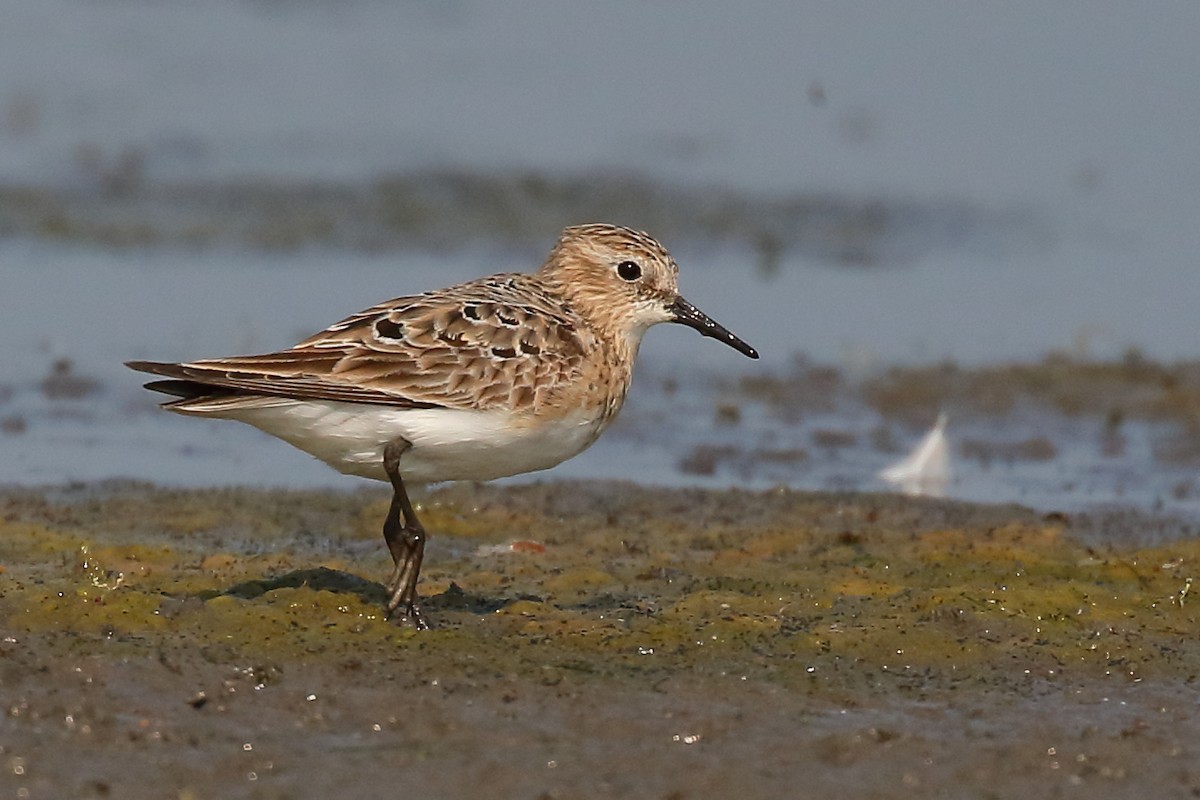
(449, 209)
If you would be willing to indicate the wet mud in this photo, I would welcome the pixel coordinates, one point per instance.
(591, 639)
(116, 206)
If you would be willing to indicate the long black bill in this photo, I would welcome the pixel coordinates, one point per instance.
(687, 314)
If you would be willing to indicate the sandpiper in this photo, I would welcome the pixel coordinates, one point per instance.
(502, 375)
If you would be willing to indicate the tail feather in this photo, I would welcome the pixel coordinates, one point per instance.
(178, 385)
(187, 390)
(194, 397)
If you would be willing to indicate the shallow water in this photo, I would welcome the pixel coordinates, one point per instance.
(178, 183)
(699, 413)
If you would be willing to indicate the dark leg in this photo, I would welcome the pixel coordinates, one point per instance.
(405, 540)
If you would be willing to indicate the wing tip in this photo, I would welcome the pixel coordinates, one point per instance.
(156, 367)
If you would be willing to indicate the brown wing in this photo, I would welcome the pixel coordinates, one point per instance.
(498, 342)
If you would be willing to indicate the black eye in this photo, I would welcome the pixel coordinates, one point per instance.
(629, 270)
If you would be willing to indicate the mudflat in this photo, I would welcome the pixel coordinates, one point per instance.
(591, 639)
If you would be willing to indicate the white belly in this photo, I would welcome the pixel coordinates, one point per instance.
(447, 444)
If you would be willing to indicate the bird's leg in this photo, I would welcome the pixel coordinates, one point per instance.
(405, 540)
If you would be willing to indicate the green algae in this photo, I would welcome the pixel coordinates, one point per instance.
(703, 644)
(831, 593)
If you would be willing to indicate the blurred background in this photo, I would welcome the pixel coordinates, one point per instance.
(987, 210)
